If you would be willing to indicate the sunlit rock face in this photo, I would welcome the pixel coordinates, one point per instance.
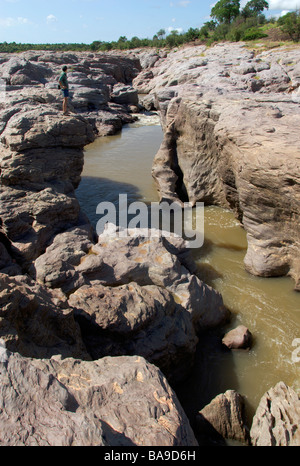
(230, 119)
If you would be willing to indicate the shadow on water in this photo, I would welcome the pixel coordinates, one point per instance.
(214, 370)
(205, 271)
(93, 191)
(213, 373)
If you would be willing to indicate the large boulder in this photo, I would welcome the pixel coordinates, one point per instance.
(121, 401)
(56, 267)
(89, 98)
(148, 258)
(42, 127)
(31, 218)
(133, 319)
(125, 95)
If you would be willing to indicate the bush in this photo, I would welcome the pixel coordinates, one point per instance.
(221, 32)
(290, 24)
(253, 34)
(234, 35)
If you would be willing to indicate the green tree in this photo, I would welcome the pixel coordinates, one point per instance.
(254, 8)
(161, 33)
(122, 39)
(290, 24)
(174, 38)
(226, 10)
(191, 35)
(135, 42)
(105, 46)
(95, 45)
(210, 25)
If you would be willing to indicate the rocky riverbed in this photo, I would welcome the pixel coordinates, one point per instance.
(100, 325)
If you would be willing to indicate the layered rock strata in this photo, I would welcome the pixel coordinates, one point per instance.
(231, 117)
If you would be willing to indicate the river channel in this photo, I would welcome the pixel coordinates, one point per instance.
(269, 307)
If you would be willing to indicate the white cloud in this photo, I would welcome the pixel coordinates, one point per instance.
(182, 3)
(21, 20)
(11, 22)
(51, 19)
(284, 4)
(6, 22)
(171, 28)
(284, 12)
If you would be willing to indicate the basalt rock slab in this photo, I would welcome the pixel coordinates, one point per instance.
(150, 258)
(125, 95)
(43, 128)
(71, 402)
(56, 267)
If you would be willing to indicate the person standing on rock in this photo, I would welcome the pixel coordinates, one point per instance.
(64, 85)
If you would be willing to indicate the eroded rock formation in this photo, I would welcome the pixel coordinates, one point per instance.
(277, 419)
(231, 139)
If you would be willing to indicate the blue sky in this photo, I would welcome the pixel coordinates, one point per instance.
(83, 21)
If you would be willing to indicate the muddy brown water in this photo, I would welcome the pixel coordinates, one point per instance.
(269, 307)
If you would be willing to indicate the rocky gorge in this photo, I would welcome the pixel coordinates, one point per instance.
(93, 326)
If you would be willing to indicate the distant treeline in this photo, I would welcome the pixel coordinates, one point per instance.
(13, 47)
(228, 23)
